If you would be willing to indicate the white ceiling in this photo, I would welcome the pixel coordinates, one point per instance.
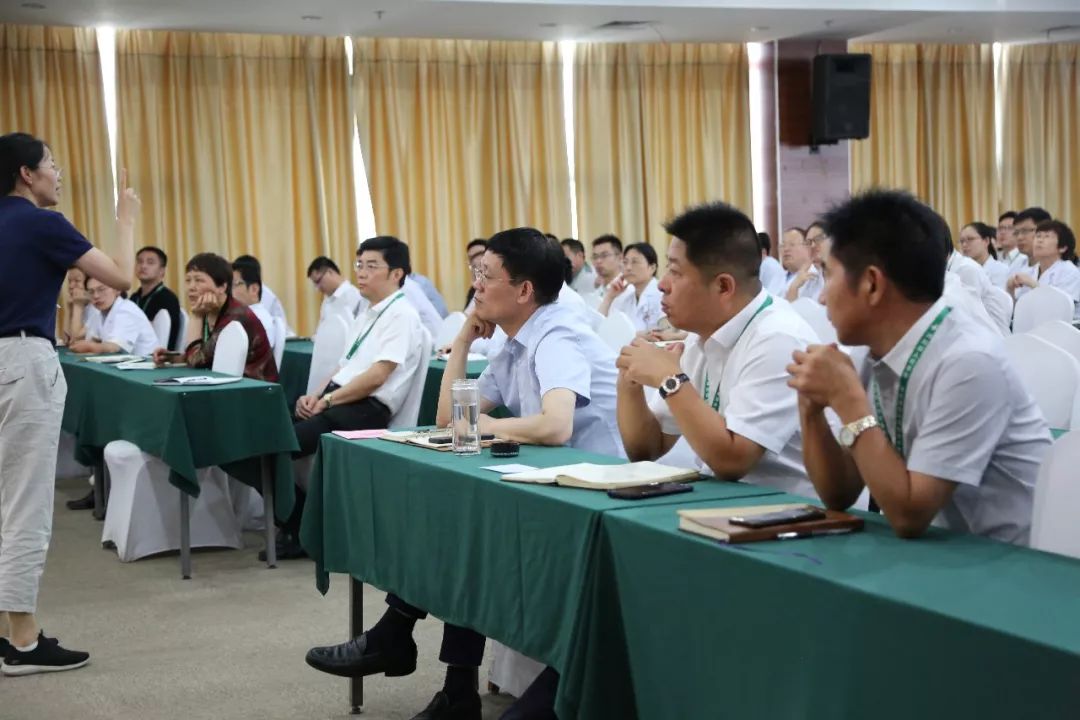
(679, 20)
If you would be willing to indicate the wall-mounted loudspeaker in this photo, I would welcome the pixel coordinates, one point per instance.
(841, 98)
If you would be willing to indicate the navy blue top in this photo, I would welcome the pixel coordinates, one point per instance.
(36, 249)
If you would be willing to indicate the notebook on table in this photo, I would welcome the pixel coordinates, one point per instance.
(716, 523)
(197, 380)
(112, 359)
(604, 477)
(438, 439)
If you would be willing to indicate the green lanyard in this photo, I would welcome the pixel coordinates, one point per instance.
(716, 395)
(205, 331)
(901, 390)
(143, 302)
(360, 340)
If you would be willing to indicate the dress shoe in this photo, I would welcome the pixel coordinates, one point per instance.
(441, 708)
(84, 503)
(357, 658)
(538, 700)
(287, 547)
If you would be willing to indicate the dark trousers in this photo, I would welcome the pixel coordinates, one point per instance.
(460, 646)
(366, 414)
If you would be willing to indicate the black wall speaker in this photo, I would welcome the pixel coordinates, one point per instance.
(841, 97)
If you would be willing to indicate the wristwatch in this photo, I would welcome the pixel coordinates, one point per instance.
(329, 398)
(671, 385)
(850, 432)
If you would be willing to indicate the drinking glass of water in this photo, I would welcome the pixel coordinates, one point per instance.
(465, 397)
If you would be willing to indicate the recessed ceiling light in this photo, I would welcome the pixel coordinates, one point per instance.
(549, 25)
(311, 17)
(33, 6)
(759, 28)
(953, 31)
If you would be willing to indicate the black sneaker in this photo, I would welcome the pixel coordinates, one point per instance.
(48, 656)
(4, 646)
(86, 502)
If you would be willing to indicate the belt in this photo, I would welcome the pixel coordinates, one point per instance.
(25, 334)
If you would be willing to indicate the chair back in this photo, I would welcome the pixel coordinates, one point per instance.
(1057, 499)
(230, 352)
(328, 345)
(1061, 334)
(409, 412)
(278, 344)
(449, 328)
(1050, 374)
(815, 315)
(616, 330)
(999, 306)
(162, 324)
(1040, 305)
(182, 333)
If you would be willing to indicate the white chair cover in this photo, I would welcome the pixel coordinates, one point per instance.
(328, 347)
(230, 353)
(180, 344)
(1061, 334)
(1057, 499)
(280, 332)
(143, 517)
(510, 670)
(616, 330)
(1050, 374)
(815, 315)
(1040, 305)
(999, 306)
(595, 319)
(449, 328)
(66, 465)
(162, 326)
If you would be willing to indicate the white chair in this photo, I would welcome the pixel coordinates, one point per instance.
(593, 299)
(616, 330)
(1057, 499)
(511, 671)
(1050, 374)
(182, 333)
(280, 332)
(449, 328)
(162, 326)
(230, 352)
(815, 315)
(1061, 334)
(327, 349)
(999, 306)
(1040, 305)
(595, 318)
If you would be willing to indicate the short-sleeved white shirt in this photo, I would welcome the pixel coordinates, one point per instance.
(644, 311)
(1015, 260)
(342, 301)
(1062, 275)
(262, 313)
(125, 325)
(813, 286)
(748, 357)
(772, 275)
(996, 271)
(273, 304)
(397, 336)
(967, 419)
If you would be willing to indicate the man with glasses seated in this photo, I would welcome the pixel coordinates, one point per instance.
(118, 326)
(1023, 232)
(475, 252)
(582, 279)
(342, 297)
(1008, 253)
(809, 281)
(607, 260)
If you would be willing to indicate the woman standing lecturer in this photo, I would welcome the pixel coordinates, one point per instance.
(37, 246)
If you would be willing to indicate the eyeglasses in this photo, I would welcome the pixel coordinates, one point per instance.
(795, 244)
(1023, 230)
(480, 277)
(318, 278)
(602, 256)
(369, 266)
(817, 239)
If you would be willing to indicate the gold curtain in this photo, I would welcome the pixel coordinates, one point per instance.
(241, 144)
(1040, 87)
(932, 128)
(461, 139)
(658, 127)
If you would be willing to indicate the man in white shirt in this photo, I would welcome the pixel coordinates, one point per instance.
(247, 290)
(386, 346)
(1008, 253)
(1054, 254)
(726, 393)
(808, 282)
(772, 273)
(557, 379)
(118, 326)
(269, 299)
(341, 296)
(607, 258)
(1023, 233)
(583, 279)
(937, 423)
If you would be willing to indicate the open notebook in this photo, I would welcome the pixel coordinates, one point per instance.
(604, 477)
(435, 439)
(198, 380)
(713, 523)
(112, 359)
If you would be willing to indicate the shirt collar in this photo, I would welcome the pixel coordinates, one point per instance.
(340, 292)
(897, 358)
(385, 302)
(729, 332)
(526, 332)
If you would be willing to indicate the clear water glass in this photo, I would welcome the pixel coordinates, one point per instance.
(465, 398)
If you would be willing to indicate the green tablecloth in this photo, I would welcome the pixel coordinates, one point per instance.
(860, 626)
(429, 401)
(187, 427)
(513, 561)
(294, 370)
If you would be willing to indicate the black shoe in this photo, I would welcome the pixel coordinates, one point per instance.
(538, 700)
(84, 503)
(4, 646)
(356, 659)
(288, 548)
(48, 656)
(441, 708)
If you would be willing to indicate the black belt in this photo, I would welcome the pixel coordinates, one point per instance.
(25, 333)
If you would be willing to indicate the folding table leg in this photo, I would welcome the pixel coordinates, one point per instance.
(99, 490)
(356, 626)
(268, 510)
(185, 535)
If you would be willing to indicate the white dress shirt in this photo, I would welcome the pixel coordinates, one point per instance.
(985, 303)
(584, 282)
(342, 301)
(967, 419)
(261, 312)
(745, 361)
(1015, 261)
(772, 275)
(123, 324)
(813, 286)
(996, 271)
(276, 309)
(393, 333)
(1062, 275)
(643, 311)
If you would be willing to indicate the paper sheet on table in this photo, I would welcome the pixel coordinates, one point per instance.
(360, 434)
(137, 365)
(509, 468)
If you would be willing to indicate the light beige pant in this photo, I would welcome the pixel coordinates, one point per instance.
(32, 392)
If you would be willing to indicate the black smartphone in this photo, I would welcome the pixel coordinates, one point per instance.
(640, 492)
(781, 517)
(447, 439)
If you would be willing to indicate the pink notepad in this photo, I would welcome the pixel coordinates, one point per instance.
(360, 434)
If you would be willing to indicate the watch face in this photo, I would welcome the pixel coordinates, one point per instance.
(671, 384)
(847, 438)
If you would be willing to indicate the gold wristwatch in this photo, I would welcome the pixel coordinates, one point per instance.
(329, 398)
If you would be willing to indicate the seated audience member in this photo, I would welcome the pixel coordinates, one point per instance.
(635, 292)
(583, 279)
(152, 296)
(341, 295)
(1023, 232)
(78, 307)
(208, 280)
(414, 294)
(964, 450)
(772, 272)
(607, 256)
(968, 287)
(475, 252)
(558, 380)
(977, 243)
(724, 392)
(247, 290)
(794, 253)
(386, 346)
(431, 293)
(808, 282)
(1054, 253)
(1008, 254)
(269, 299)
(118, 326)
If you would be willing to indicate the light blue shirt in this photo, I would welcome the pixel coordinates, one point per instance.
(553, 350)
(432, 294)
